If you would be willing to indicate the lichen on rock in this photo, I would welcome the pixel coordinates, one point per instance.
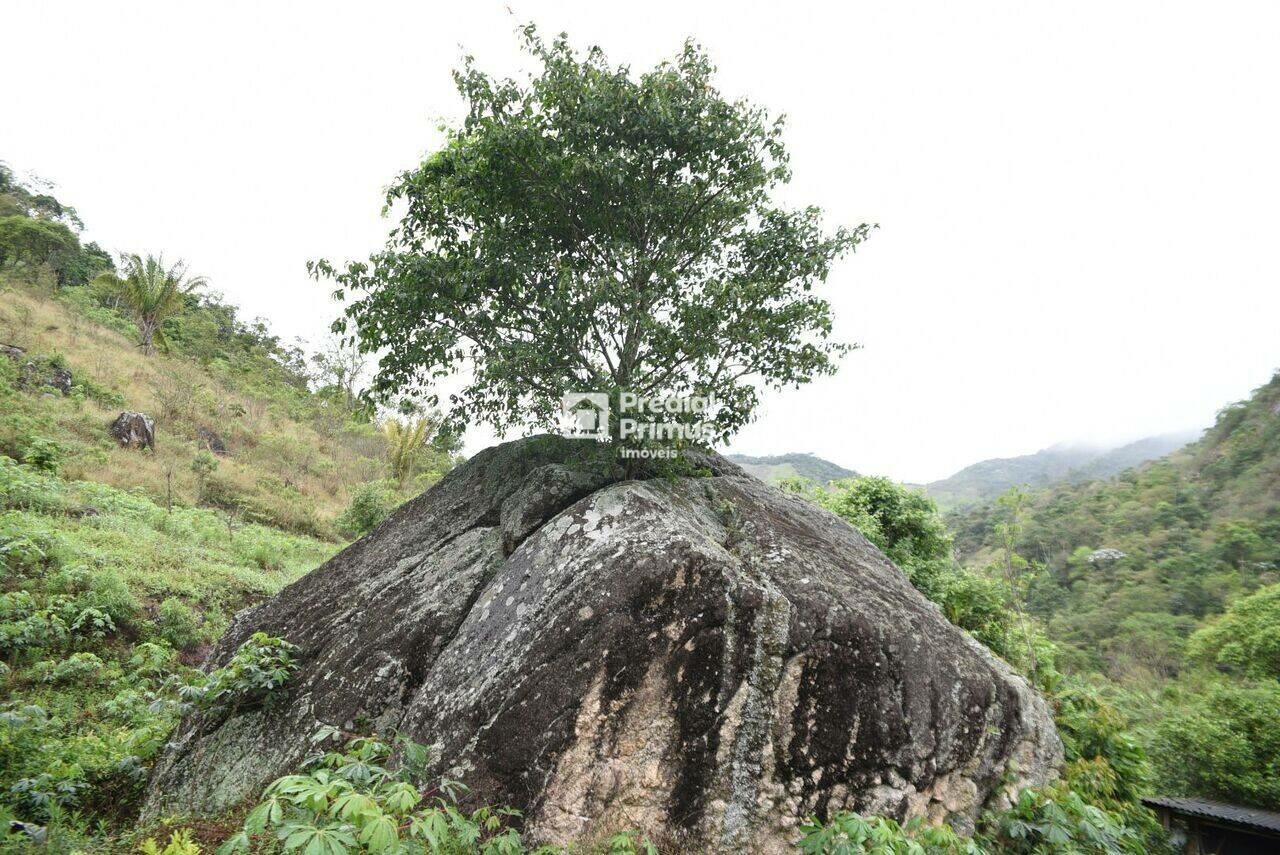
(705, 659)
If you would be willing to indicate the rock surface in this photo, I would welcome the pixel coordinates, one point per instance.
(134, 430)
(706, 659)
(38, 372)
(212, 441)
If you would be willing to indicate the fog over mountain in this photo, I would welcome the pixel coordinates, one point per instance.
(1064, 461)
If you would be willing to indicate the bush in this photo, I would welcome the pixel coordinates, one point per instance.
(1223, 744)
(253, 677)
(851, 834)
(179, 624)
(370, 505)
(357, 801)
(1245, 640)
(108, 592)
(82, 668)
(44, 455)
(1058, 822)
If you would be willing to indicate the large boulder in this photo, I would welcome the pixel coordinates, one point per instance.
(134, 430)
(707, 659)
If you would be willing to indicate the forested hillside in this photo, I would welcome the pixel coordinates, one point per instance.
(987, 479)
(1163, 581)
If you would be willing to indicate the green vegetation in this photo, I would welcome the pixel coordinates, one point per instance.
(153, 293)
(906, 526)
(1095, 808)
(596, 229)
(106, 594)
(784, 467)
(591, 229)
(38, 236)
(119, 567)
(1160, 587)
(354, 800)
(986, 480)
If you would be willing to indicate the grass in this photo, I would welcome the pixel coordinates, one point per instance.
(89, 705)
(292, 462)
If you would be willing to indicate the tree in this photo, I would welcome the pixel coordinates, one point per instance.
(1223, 744)
(153, 292)
(593, 229)
(903, 522)
(338, 366)
(1245, 640)
(405, 441)
(35, 242)
(907, 526)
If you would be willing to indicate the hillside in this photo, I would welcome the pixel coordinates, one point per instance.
(1064, 462)
(775, 468)
(1197, 529)
(121, 566)
(1163, 581)
(291, 459)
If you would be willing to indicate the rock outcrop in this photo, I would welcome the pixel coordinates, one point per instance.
(38, 372)
(134, 430)
(211, 441)
(706, 659)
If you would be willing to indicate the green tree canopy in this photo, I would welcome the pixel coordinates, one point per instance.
(1245, 640)
(596, 229)
(34, 241)
(1223, 744)
(904, 523)
(154, 292)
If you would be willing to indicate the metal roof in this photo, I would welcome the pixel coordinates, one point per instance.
(1247, 817)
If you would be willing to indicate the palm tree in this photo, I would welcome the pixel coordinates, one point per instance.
(404, 441)
(153, 292)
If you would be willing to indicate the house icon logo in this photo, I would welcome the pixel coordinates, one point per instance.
(585, 415)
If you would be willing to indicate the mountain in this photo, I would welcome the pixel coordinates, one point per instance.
(1063, 462)
(775, 468)
(1164, 582)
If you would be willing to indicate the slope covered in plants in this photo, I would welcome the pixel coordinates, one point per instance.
(1164, 583)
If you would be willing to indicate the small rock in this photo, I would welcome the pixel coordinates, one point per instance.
(134, 430)
(212, 441)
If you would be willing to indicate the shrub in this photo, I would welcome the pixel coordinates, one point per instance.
(1058, 822)
(266, 554)
(356, 801)
(253, 677)
(179, 624)
(203, 465)
(81, 668)
(848, 833)
(108, 592)
(180, 843)
(1245, 640)
(1223, 744)
(43, 454)
(370, 505)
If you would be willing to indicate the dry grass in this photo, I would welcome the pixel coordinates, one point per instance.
(275, 460)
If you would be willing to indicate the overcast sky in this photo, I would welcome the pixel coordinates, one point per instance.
(1079, 202)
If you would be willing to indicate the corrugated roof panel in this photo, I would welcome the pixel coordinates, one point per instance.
(1257, 818)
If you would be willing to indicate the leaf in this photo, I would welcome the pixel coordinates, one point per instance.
(239, 842)
(379, 833)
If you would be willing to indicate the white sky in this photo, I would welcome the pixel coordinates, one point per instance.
(1078, 202)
